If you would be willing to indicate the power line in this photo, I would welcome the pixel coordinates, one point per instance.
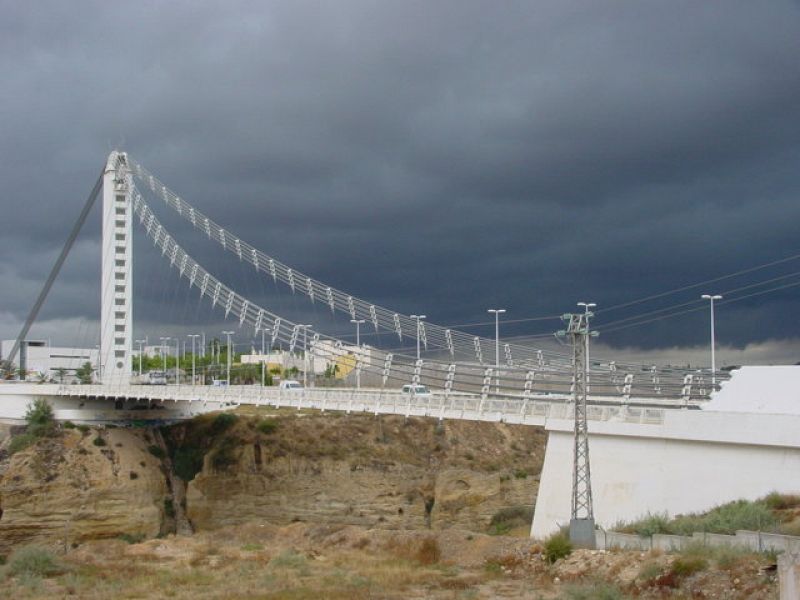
(506, 321)
(702, 283)
(690, 310)
(698, 300)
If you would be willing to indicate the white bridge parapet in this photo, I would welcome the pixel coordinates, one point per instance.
(533, 411)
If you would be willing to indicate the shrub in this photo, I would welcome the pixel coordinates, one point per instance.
(83, 428)
(39, 417)
(157, 451)
(132, 538)
(777, 501)
(225, 454)
(688, 565)
(506, 519)
(557, 546)
(647, 525)
(98, 441)
(649, 572)
(69, 425)
(520, 474)
(727, 518)
(267, 426)
(20, 442)
(188, 462)
(33, 561)
(222, 422)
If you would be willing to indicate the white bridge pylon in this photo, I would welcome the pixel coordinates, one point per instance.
(458, 367)
(116, 283)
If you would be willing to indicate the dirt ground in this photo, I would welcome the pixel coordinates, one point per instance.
(304, 561)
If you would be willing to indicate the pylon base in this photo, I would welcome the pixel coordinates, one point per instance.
(581, 533)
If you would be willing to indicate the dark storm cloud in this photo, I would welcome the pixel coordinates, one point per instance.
(438, 157)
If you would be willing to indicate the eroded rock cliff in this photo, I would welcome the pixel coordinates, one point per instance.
(362, 470)
(274, 467)
(77, 486)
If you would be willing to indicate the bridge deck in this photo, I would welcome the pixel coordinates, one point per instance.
(529, 411)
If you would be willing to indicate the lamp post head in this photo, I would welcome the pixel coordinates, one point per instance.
(496, 311)
(710, 297)
(356, 321)
(587, 305)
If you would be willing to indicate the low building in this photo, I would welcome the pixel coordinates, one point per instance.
(39, 359)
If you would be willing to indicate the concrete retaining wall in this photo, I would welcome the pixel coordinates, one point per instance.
(746, 540)
(693, 461)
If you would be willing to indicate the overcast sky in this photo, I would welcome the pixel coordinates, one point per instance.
(436, 157)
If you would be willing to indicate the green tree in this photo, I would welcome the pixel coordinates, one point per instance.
(40, 418)
(61, 372)
(84, 373)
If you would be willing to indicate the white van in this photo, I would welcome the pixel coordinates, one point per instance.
(290, 385)
(416, 390)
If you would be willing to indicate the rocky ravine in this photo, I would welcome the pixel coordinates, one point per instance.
(279, 467)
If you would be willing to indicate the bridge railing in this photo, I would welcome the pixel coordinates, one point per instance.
(376, 401)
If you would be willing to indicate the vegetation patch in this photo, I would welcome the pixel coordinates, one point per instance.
(594, 591)
(267, 426)
(758, 515)
(98, 441)
(222, 422)
(685, 566)
(20, 442)
(225, 453)
(188, 461)
(33, 561)
(132, 538)
(508, 518)
(557, 546)
(156, 451)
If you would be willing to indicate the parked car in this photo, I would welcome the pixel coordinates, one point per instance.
(290, 385)
(156, 378)
(416, 390)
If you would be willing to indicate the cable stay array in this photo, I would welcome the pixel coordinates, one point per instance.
(452, 344)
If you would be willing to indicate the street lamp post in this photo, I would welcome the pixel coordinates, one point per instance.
(229, 334)
(193, 336)
(418, 318)
(587, 306)
(177, 361)
(263, 361)
(305, 354)
(140, 342)
(711, 298)
(497, 312)
(358, 323)
(164, 341)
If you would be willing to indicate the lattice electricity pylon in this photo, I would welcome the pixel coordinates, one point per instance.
(581, 526)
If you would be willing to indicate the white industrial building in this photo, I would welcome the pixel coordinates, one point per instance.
(39, 358)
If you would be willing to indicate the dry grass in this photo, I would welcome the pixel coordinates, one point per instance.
(305, 562)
